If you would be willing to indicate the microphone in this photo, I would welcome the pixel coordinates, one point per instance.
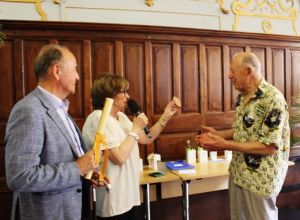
(136, 110)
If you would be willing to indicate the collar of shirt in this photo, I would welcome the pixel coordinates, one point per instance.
(57, 102)
(260, 92)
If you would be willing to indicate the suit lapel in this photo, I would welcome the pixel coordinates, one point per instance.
(56, 118)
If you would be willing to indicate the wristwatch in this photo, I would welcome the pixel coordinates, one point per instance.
(134, 135)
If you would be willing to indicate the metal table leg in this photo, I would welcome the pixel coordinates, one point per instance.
(146, 193)
(185, 200)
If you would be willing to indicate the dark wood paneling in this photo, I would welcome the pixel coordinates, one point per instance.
(87, 78)
(214, 205)
(278, 70)
(233, 92)
(103, 58)
(171, 146)
(214, 79)
(31, 50)
(134, 71)
(18, 62)
(2, 159)
(162, 76)
(295, 73)
(261, 54)
(76, 100)
(7, 82)
(158, 62)
(190, 79)
(5, 206)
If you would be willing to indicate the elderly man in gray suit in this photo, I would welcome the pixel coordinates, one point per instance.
(45, 155)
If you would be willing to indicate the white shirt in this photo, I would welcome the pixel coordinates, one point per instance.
(62, 107)
(124, 193)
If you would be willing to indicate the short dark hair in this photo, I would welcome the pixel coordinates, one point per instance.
(107, 86)
(49, 55)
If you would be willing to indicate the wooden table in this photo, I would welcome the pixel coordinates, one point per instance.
(146, 180)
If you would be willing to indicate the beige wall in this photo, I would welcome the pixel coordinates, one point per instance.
(200, 14)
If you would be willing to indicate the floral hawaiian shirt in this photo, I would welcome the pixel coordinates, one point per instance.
(263, 118)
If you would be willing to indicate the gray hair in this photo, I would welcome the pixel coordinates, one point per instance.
(48, 55)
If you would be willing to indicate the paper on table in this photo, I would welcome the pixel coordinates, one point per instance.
(187, 171)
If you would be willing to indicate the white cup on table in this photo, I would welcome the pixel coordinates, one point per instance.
(202, 155)
(228, 154)
(213, 155)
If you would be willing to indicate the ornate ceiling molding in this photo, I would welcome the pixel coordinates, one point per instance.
(38, 6)
(266, 9)
(149, 2)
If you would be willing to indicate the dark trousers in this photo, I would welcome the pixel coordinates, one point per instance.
(132, 214)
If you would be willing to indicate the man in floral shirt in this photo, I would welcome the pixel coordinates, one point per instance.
(259, 140)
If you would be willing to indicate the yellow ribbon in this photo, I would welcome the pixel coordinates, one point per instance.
(100, 140)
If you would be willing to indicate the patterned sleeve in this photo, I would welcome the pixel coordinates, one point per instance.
(274, 122)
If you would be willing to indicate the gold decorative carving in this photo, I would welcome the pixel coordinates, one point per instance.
(273, 9)
(149, 2)
(38, 6)
(267, 26)
(221, 3)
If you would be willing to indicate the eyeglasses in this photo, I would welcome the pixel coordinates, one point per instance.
(124, 92)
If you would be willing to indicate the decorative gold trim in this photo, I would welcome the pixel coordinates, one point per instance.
(267, 26)
(38, 6)
(276, 9)
(221, 3)
(149, 2)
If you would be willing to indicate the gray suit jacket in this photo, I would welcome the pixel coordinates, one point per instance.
(40, 162)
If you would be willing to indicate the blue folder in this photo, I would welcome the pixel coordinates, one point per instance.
(179, 165)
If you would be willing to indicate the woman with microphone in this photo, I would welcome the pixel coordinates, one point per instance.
(122, 137)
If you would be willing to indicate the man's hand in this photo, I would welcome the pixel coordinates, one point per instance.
(208, 130)
(211, 141)
(86, 162)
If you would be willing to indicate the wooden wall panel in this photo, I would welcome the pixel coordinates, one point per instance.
(103, 54)
(162, 76)
(159, 64)
(31, 49)
(6, 81)
(7, 100)
(214, 79)
(87, 77)
(295, 73)
(278, 70)
(233, 92)
(134, 71)
(2, 162)
(190, 79)
(76, 100)
(261, 54)
(172, 147)
(18, 62)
